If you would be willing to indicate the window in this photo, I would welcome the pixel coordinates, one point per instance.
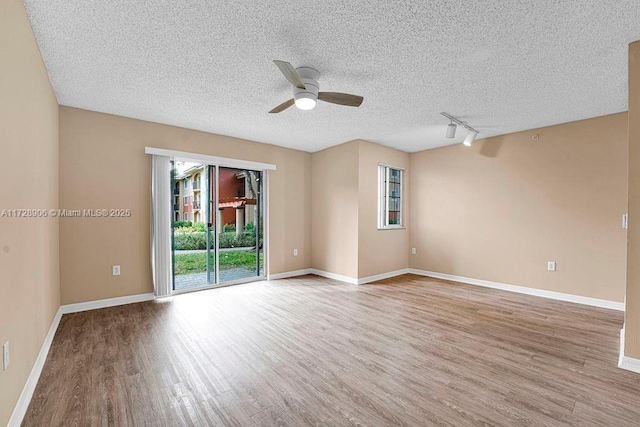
(242, 189)
(389, 197)
(186, 217)
(186, 201)
(186, 184)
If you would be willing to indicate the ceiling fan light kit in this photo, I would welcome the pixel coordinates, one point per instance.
(306, 89)
(451, 129)
(305, 99)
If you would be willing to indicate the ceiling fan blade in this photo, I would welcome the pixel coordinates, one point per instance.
(341, 98)
(283, 106)
(290, 73)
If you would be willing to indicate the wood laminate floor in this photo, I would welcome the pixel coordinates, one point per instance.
(311, 351)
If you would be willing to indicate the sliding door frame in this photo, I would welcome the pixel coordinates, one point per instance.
(218, 162)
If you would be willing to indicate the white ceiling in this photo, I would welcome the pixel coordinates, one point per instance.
(503, 66)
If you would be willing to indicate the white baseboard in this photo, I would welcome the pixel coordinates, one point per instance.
(334, 276)
(104, 303)
(629, 364)
(625, 362)
(287, 274)
(594, 302)
(612, 305)
(353, 280)
(27, 392)
(382, 276)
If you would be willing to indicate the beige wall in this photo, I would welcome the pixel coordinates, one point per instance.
(28, 247)
(345, 235)
(632, 315)
(334, 206)
(380, 251)
(501, 209)
(103, 166)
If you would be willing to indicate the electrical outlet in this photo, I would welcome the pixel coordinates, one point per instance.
(115, 270)
(295, 252)
(551, 266)
(414, 251)
(5, 357)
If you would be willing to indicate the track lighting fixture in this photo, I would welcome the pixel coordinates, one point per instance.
(451, 129)
(471, 136)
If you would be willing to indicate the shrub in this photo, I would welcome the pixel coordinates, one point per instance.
(180, 224)
(231, 240)
(181, 230)
(197, 227)
(227, 240)
(190, 241)
(229, 227)
(246, 239)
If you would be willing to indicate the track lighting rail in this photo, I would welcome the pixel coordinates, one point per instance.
(459, 122)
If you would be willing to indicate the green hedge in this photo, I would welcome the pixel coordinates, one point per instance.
(180, 227)
(231, 240)
(190, 241)
(179, 224)
(198, 240)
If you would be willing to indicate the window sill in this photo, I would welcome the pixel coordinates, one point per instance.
(391, 228)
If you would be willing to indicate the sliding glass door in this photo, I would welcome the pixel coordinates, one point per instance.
(218, 226)
(240, 244)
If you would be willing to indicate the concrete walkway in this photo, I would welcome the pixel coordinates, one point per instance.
(196, 280)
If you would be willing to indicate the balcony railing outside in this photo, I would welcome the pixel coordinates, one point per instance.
(196, 204)
(196, 185)
(176, 207)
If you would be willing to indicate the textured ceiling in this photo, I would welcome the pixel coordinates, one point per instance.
(502, 66)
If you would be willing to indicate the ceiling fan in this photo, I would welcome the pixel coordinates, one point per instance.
(306, 87)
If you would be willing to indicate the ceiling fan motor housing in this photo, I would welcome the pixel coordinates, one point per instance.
(310, 78)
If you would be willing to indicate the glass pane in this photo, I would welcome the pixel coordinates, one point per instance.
(240, 214)
(394, 202)
(191, 243)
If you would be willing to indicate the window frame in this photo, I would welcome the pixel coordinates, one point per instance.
(384, 172)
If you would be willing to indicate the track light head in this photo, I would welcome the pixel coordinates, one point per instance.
(451, 130)
(471, 136)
